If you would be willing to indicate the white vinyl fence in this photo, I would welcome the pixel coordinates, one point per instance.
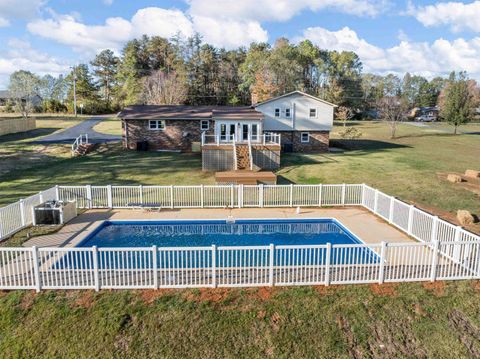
(444, 251)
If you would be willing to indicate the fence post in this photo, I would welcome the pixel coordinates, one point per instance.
(109, 196)
(433, 273)
(36, 269)
(363, 195)
(375, 203)
(232, 196)
(260, 195)
(434, 228)
(22, 212)
(95, 268)
(344, 186)
(410, 219)
(240, 196)
(390, 211)
(40, 196)
(381, 272)
(89, 195)
(272, 258)
(320, 190)
(328, 254)
(291, 194)
(57, 193)
(172, 205)
(140, 194)
(155, 267)
(214, 266)
(457, 248)
(202, 198)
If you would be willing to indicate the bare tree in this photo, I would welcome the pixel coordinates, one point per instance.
(344, 114)
(162, 88)
(23, 87)
(392, 110)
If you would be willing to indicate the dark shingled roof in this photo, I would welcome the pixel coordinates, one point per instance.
(181, 112)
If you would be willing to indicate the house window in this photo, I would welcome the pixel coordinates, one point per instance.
(157, 125)
(204, 125)
(313, 113)
(277, 112)
(287, 112)
(305, 137)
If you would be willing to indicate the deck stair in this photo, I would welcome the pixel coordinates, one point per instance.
(83, 149)
(243, 157)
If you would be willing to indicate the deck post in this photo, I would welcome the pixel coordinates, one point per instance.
(22, 212)
(155, 267)
(291, 194)
(88, 189)
(435, 250)
(410, 219)
(328, 254)
(381, 272)
(320, 190)
(95, 268)
(390, 211)
(271, 266)
(214, 266)
(36, 269)
(109, 196)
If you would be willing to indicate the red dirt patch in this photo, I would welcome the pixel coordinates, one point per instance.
(476, 285)
(437, 288)
(384, 290)
(28, 299)
(213, 295)
(150, 295)
(85, 299)
(323, 290)
(262, 293)
(275, 321)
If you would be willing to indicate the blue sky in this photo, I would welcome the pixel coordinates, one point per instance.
(425, 37)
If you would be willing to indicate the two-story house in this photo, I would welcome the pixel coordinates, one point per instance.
(233, 138)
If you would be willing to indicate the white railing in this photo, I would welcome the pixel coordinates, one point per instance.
(444, 251)
(266, 138)
(177, 267)
(80, 140)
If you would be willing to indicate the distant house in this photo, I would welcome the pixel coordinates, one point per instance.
(295, 122)
(425, 114)
(6, 96)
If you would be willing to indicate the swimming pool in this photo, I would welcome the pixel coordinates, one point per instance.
(220, 233)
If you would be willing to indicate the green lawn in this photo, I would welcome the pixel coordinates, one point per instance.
(357, 321)
(110, 126)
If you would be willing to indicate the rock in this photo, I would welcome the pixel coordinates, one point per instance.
(464, 217)
(454, 178)
(472, 173)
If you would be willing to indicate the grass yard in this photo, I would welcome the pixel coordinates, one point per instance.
(414, 320)
(109, 126)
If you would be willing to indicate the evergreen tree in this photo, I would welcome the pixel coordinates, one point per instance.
(105, 69)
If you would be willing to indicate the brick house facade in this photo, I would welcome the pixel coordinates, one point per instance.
(318, 141)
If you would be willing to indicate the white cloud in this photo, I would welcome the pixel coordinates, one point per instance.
(21, 55)
(457, 15)
(281, 10)
(427, 59)
(12, 9)
(108, 2)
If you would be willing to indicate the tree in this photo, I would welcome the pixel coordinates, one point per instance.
(458, 101)
(392, 110)
(87, 92)
(105, 69)
(24, 85)
(162, 88)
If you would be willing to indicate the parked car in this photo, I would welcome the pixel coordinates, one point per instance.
(425, 118)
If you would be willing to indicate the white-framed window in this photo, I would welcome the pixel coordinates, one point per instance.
(156, 125)
(313, 113)
(288, 112)
(305, 137)
(204, 125)
(277, 112)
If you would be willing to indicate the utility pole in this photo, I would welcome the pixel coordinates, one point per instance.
(74, 90)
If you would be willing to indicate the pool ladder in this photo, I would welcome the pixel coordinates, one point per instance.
(231, 220)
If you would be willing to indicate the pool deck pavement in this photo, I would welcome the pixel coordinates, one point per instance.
(365, 225)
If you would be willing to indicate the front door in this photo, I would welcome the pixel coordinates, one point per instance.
(245, 132)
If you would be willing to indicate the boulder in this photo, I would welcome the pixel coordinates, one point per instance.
(454, 178)
(465, 217)
(472, 174)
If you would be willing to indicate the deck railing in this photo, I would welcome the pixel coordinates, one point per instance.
(80, 140)
(265, 139)
(444, 251)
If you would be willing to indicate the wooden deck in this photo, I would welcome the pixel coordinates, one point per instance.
(246, 177)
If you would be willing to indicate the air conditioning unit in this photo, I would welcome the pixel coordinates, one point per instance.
(54, 212)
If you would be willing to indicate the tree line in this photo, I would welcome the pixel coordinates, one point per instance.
(155, 70)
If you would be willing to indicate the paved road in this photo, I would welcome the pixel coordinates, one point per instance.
(70, 134)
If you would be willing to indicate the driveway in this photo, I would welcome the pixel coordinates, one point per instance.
(86, 127)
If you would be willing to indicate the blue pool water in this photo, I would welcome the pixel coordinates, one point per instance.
(205, 233)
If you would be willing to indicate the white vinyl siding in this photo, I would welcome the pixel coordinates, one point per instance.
(156, 125)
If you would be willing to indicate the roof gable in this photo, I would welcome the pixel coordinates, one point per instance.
(295, 93)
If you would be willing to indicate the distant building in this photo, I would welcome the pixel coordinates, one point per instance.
(425, 114)
(6, 96)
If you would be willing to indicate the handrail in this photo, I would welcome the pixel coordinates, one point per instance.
(80, 140)
(264, 139)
